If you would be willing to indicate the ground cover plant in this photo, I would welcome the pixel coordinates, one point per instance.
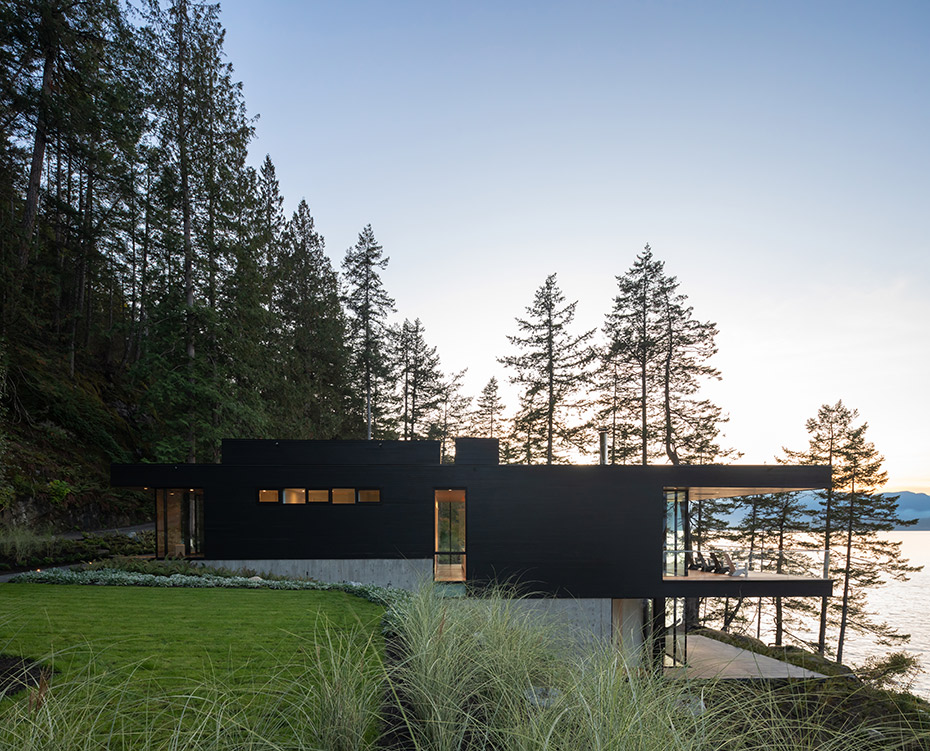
(200, 578)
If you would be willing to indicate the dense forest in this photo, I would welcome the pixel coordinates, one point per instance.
(157, 299)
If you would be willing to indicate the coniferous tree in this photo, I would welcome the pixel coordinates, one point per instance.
(826, 433)
(450, 415)
(248, 325)
(6, 489)
(486, 420)
(615, 395)
(691, 426)
(752, 535)
(785, 521)
(861, 513)
(311, 391)
(553, 370)
(852, 514)
(635, 330)
(655, 343)
(368, 306)
(270, 224)
(526, 441)
(202, 135)
(419, 378)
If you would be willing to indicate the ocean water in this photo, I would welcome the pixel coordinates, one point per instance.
(904, 605)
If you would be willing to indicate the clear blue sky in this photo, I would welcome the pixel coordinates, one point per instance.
(776, 156)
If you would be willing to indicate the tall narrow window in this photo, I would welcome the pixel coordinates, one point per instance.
(449, 560)
(676, 532)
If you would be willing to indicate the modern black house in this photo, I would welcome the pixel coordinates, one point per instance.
(607, 547)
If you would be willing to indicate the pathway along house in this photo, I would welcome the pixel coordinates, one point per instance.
(604, 547)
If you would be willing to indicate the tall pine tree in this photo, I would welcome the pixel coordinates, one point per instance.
(553, 370)
(368, 306)
(487, 418)
(655, 343)
(826, 433)
(852, 513)
(418, 376)
(311, 393)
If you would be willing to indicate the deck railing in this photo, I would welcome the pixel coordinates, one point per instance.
(808, 562)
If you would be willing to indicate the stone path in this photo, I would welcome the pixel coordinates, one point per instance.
(709, 658)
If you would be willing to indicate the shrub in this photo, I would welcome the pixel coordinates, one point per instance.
(58, 490)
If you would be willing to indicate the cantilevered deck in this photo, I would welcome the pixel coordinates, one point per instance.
(753, 584)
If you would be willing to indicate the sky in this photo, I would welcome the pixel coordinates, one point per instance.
(775, 156)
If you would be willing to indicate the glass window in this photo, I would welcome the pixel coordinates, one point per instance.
(268, 496)
(449, 560)
(343, 495)
(676, 532)
(295, 495)
(317, 496)
(369, 496)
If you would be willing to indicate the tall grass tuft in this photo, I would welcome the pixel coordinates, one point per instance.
(20, 544)
(489, 674)
(465, 667)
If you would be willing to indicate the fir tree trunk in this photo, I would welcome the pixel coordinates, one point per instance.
(550, 408)
(845, 611)
(824, 602)
(667, 395)
(184, 164)
(645, 436)
(38, 155)
(779, 624)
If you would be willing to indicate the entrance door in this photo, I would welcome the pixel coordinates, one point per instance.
(449, 559)
(178, 522)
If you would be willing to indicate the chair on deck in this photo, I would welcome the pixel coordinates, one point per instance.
(700, 564)
(732, 569)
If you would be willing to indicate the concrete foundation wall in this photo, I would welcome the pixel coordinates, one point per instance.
(627, 622)
(384, 572)
(585, 620)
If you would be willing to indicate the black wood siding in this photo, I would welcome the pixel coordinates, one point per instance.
(593, 531)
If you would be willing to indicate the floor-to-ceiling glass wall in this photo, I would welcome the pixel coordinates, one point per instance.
(449, 559)
(677, 558)
(676, 553)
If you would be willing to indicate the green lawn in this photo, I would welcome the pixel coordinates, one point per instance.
(176, 633)
(146, 669)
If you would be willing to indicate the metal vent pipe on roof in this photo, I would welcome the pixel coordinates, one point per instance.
(603, 437)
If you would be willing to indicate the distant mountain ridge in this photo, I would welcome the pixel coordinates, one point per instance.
(910, 506)
(913, 506)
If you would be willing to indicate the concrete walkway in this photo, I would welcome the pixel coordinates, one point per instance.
(709, 658)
